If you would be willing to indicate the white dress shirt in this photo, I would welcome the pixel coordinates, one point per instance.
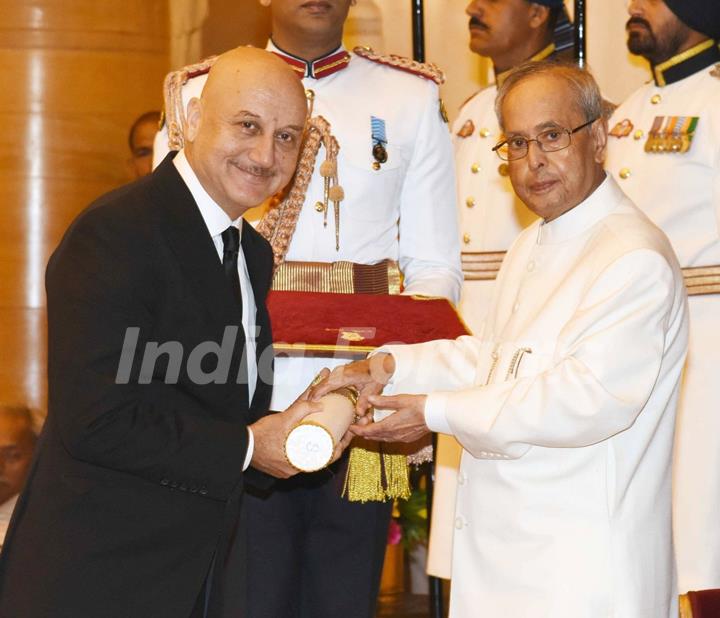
(6, 511)
(217, 221)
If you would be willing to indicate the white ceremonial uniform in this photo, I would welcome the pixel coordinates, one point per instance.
(565, 407)
(680, 192)
(404, 211)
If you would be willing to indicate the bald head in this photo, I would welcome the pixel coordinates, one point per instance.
(243, 135)
(248, 68)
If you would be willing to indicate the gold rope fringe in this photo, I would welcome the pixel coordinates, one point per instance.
(368, 467)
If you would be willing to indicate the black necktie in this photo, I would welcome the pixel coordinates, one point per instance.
(231, 249)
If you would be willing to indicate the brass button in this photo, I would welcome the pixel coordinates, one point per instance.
(625, 173)
(639, 134)
(656, 98)
(484, 132)
(309, 94)
(470, 202)
(376, 165)
(466, 239)
(475, 168)
(503, 169)
(319, 206)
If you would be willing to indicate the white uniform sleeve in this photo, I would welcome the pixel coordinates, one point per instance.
(429, 243)
(613, 348)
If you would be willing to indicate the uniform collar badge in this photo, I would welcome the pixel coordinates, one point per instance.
(467, 129)
(686, 63)
(671, 134)
(318, 68)
(379, 140)
(622, 128)
(716, 71)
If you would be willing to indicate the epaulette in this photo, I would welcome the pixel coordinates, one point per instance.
(172, 93)
(428, 70)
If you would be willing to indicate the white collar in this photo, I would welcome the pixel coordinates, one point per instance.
(216, 219)
(575, 221)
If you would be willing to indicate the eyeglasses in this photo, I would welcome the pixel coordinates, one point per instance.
(550, 140)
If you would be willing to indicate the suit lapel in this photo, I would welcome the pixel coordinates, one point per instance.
(191, 243)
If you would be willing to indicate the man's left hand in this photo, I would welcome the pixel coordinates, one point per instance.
(406, 424)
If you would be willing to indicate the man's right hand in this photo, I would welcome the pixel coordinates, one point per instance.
(269, 434)
(369, 376)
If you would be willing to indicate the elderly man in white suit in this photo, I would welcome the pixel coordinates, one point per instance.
(565, 400)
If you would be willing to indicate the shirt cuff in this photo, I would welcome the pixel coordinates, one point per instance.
(435, 417)
(250, 449)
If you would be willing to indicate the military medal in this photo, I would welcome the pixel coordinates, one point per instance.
(671, 134)
(467, 129)
(654, 135)
(379, 139)
(622, 128)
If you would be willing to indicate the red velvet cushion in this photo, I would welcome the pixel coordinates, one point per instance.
(325, 324)
(705, 603)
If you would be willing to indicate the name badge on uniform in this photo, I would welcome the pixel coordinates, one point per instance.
(671, 134)
(379, 139)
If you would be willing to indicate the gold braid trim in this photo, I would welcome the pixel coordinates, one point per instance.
(278, 224)
(375, 476)
(427, 70)
(172, 92)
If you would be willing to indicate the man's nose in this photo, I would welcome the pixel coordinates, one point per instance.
(263, 151)
(536, 157)
(634, 8)
(473, 8)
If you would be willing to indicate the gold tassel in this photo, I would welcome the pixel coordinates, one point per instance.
(368, 467)
(397, 476)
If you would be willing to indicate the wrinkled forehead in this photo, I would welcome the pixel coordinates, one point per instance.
(539, 100)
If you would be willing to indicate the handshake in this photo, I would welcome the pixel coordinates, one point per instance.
(369, 377)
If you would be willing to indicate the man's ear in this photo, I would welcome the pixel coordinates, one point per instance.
(539, 14)
(194, 117)
(600, 138)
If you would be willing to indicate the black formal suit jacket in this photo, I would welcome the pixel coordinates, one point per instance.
(135, 487)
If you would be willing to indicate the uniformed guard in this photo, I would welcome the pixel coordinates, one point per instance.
(376, 183)
(490, 214)
(664, 147)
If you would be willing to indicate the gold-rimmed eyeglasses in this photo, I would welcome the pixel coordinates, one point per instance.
(556, 138)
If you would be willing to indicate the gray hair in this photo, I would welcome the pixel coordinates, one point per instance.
(585, 91)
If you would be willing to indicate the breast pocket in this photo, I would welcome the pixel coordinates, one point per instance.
(372, 189)
(516, 360)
